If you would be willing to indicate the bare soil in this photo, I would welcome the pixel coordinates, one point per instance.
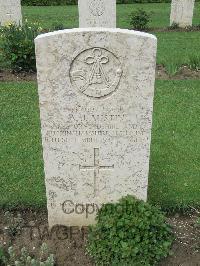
(183, 73)
(161, 73)
(171, 29)
(68, 245)
(8, 75)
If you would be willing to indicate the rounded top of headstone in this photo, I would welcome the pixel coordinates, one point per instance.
(97, 30)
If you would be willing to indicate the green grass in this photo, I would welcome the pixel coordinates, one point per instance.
(174, 48)
(68, 15)
(174, 168)
(21, 166)
(175, 154)
(177, 48)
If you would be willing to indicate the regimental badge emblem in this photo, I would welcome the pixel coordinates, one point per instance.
(97, 7)
(96, 72)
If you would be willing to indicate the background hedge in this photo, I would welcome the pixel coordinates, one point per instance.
(73, 2)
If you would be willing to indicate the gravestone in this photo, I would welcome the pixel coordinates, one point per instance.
(10, 12)
(96, 90)
(97, 13)
(182, 12)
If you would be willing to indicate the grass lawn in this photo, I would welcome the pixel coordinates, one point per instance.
(175, 154)
(178, 48)
(174, 48)
(174, 168)
(68, 15)
(21, 166)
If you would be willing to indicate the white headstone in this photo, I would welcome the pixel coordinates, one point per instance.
(10, 12)
(96, 89)
(182, 12)
(97, 13)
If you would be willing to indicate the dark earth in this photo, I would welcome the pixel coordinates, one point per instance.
(68, 246)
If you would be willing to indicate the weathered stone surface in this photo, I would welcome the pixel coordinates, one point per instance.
(97, 13)
(182, 12)
(96, 90)
(10, 12)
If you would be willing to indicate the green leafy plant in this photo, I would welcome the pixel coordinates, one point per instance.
(140, 19)
(58, 26)
(17, 46)
(198, 222)
(14, 224)
(2, 257)
(24, 258)
(190, 28)
(194, 62)
(130, 232)
(197, 212)
(174, 26)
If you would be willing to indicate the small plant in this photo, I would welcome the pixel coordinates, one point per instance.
(140, 19)
(174, 26)
(24, 259)
(172, 68)
(130, 232)
(197, 223)
(189, 28)
(14, 224)
(58, 26)
(194, 62)
(2, 257)
(17, 46)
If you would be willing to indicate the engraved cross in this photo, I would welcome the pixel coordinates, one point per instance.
(96, 168)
